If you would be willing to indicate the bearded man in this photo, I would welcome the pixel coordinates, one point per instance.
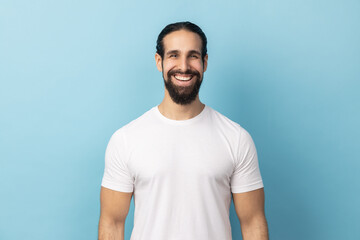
(182, 161)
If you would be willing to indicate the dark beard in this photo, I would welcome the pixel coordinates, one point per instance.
(180, 94)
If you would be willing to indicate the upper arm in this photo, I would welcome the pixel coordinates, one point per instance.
(246, 175)
(249, 205)
(114, 205)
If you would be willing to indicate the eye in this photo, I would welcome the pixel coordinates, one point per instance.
(173, 56)
(194, 56)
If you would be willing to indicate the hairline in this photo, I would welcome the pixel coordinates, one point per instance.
(200, 34)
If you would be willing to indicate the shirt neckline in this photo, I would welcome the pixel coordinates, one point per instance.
(180, 122)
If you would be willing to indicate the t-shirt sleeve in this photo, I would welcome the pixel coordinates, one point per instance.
(116, 174)
(246, 176)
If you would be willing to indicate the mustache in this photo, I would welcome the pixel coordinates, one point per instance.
(189, 71)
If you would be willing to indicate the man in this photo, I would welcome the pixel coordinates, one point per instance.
(182, 160)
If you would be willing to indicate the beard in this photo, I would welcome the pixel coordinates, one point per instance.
(183, 94)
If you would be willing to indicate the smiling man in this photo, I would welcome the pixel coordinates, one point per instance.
(182, 160)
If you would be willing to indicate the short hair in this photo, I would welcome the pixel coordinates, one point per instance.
(191, 27)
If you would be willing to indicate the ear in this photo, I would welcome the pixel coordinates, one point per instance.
(158, 60)
(205, 62)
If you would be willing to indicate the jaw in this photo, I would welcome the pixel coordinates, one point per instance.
(182, 92)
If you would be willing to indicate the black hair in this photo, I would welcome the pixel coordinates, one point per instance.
(191, 27)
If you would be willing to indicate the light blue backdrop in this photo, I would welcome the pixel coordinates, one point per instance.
(73, 72)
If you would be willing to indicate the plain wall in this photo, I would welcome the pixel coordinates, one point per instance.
(73, 72)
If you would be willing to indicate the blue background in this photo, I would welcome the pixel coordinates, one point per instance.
(73, 72)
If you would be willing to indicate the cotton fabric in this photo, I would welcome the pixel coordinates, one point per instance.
(182, 173)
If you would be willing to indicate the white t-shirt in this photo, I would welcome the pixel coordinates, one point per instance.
(182, 173)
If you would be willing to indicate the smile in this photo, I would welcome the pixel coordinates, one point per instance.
(183, 77)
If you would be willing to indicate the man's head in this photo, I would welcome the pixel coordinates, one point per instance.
(181, 56)
(188, 26)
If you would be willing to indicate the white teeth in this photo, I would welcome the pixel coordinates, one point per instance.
(182, 78)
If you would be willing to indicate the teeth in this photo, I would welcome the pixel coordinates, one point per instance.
(182, 78)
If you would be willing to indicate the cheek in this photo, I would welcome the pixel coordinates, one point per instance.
(198, 66)
(196, 63)
(168, 67)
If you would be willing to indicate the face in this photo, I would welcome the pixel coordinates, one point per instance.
(182, 66)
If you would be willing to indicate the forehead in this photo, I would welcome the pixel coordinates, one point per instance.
(182, 40)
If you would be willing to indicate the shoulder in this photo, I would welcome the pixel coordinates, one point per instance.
(136, 125)
(225, 123)
(231, 130)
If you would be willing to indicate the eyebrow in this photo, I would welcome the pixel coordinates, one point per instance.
(194, 52)
(177, 51)
(172, 52)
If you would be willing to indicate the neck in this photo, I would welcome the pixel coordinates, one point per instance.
(175, 111)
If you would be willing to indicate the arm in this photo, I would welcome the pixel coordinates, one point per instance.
(114, 207)
(249, 207)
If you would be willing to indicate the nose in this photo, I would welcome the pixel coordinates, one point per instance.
(184, 65)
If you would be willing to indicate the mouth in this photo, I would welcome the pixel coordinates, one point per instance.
(183, 77)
